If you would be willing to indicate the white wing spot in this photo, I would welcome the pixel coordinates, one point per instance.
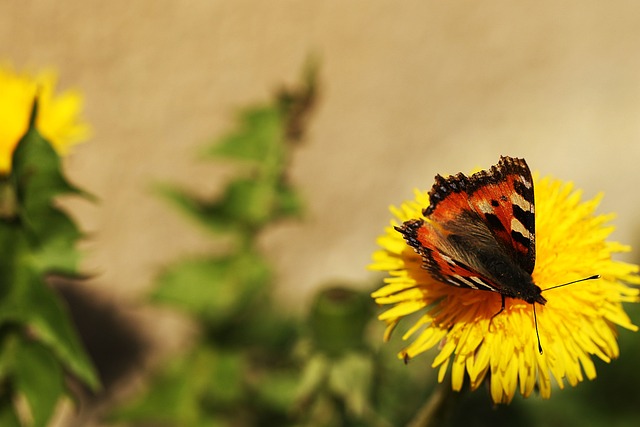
(517, 199)
(485, 207)
(465, 281)
(516, 225)
(483, 284)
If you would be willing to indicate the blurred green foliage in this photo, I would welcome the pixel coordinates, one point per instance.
(256, 364)
(38, 344)
(241, 370)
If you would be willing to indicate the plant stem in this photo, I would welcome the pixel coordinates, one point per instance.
(436, 409)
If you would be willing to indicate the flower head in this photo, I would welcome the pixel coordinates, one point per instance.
(57, 120)
(576, 323)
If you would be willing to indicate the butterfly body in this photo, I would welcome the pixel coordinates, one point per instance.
(478, 231)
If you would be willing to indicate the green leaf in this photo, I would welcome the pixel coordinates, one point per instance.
(248, 203)
(195, 390)
(38, 376)
(30, 370)
(245, 205)
(288, 202)
(313, 377)
(224, 384)
(37, 179)
(16, 273)
(51, 324)
(213, 289)
(36, 171)
(351, 379)
(55, 251)
(191, 206)
(259, 131)
(169, 400)
(210, 215)
(26, 299)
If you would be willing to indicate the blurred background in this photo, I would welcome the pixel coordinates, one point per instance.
(407, 90)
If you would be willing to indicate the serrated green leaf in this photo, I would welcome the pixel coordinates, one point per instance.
(38, 376)
(36, 171)
(211, 215)
(55, 249)
(37, 179)
(186, 204)
(259, 132)
(51, 324)
(213, 289)
(288, 202)
(245, 205)
(249, 202)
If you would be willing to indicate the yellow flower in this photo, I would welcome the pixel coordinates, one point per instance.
(577, 322)
(57, 121)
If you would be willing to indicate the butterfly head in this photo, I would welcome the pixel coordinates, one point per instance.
(533, 295)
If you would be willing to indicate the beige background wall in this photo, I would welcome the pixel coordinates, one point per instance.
(409, 89)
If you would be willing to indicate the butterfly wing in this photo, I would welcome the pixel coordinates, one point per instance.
(443, 260)
(479, 231)
(501, 197)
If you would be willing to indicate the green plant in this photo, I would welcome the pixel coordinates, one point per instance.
(38, 344)
(240, 370)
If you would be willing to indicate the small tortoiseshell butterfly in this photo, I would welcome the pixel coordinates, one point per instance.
(479, 232)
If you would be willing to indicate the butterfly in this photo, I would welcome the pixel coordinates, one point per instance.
(478, 232)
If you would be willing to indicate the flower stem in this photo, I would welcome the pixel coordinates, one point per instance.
(437, 409)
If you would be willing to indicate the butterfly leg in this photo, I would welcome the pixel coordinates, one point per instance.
(500, 311)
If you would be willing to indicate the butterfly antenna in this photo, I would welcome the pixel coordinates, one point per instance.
(535, 317)
(535, 321)
(595, 276)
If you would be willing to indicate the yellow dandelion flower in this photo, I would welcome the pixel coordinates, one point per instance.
(575, 323)
(58, 115)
